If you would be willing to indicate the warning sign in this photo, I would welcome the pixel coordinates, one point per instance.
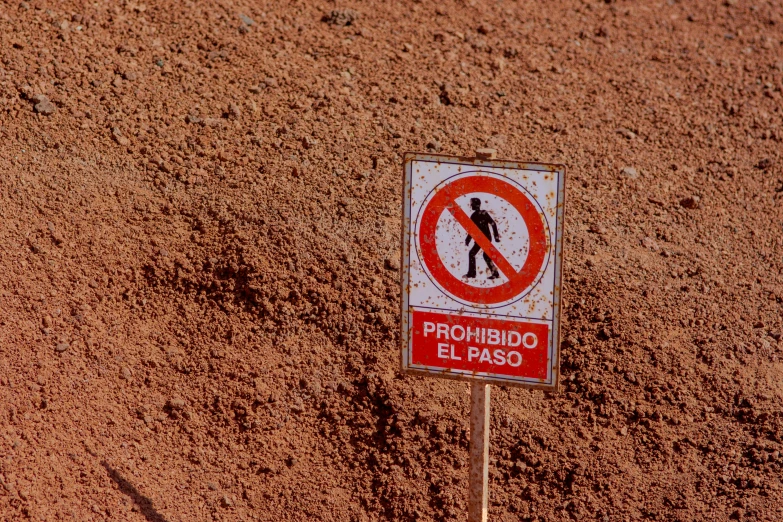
(482, 254)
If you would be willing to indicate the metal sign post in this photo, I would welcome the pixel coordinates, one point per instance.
(488, 318)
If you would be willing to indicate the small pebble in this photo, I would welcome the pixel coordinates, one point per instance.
(650, 243)
(43, 105)
(764, 164)
(497, 141)
(341, 17)
(485, 29)
(119, 138)
(212, 122)
(61, 347)
(598, 229)
(126, 373)
(488, 153)
(629, 172)
(246, 19)
(690, 203)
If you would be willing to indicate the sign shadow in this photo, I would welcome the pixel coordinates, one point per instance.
(143, 503)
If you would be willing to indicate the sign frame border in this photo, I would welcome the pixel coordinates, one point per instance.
(559, 256)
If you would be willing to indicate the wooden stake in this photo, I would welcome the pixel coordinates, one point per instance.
(478, 497)
(478, 494)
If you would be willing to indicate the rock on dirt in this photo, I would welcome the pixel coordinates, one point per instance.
(691, 202)
(434, 145)
(43, 105)
(392, 263)
(119, 138)
(650, 243)
(234, 111)
(598, 229)
(266, 83)
(341, 17)
(629, 172)
(246, 19)
(765, 164)
(176, 403)
(485, 28)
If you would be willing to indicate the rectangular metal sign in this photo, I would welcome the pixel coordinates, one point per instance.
(482, 256)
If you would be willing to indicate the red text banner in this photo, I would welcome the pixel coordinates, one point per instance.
(474, 344)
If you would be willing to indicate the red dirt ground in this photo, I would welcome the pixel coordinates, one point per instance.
(199, 235)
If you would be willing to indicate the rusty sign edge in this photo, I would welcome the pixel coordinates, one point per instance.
(560, 169)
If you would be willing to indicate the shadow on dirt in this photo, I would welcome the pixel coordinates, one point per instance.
(143, 503)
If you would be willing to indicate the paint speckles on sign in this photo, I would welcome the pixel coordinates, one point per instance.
(482, 255)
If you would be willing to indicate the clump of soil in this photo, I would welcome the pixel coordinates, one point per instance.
(200, 234)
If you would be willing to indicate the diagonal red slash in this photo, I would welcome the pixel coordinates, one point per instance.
(481, 240)
(534, 221)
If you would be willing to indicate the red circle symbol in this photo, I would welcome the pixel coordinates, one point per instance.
(518, 281)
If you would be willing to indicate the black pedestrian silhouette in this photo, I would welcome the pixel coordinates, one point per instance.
(483, 221)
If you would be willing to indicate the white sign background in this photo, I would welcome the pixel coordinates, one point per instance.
(542, 187)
